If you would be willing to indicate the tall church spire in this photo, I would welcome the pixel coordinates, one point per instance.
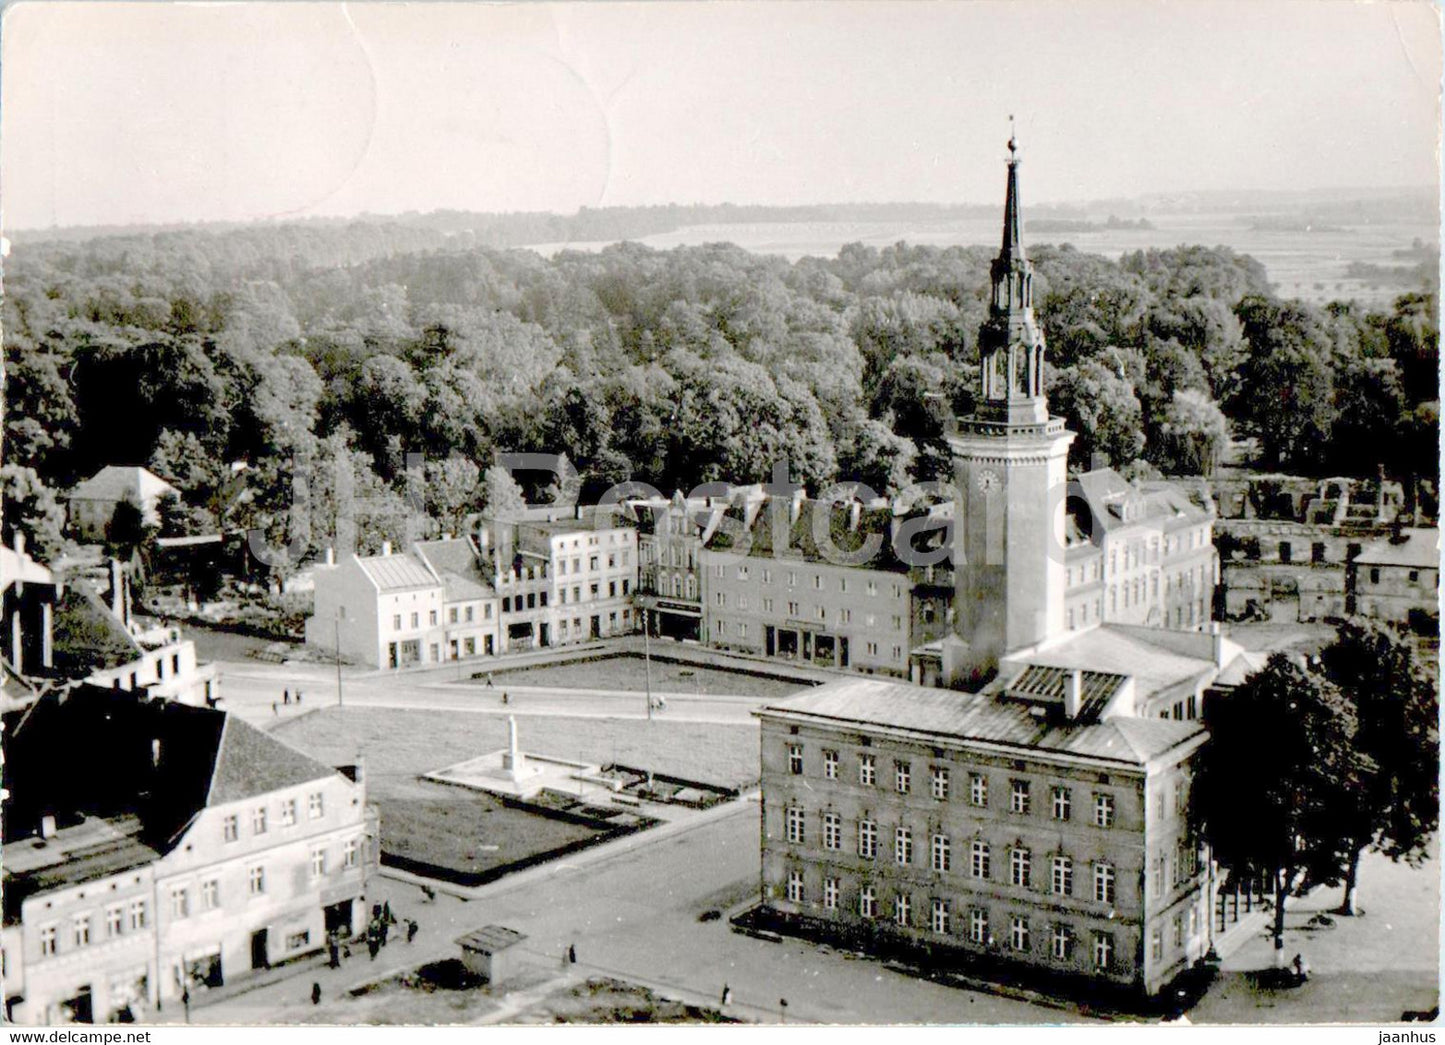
(1011, 346)
(1012, 224)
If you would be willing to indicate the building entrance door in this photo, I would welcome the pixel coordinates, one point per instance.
(260, 959)
(338, 917)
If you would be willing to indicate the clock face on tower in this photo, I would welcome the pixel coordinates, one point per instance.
(988, 480)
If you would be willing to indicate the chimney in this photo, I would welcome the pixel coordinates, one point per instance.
(47, 826)
(117, 591)
(1073, 694)
(330, 556)
(385, 547)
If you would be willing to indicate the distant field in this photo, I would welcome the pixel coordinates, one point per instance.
(629, 673)
(1311, 265)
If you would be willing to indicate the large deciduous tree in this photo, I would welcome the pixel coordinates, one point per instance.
(1397, 711)
(1277, 782)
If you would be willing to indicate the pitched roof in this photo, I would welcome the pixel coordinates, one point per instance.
(396, 572)
(252, 763)
(954, 715)
(1045, 684)
(491, 938)
(116, 482)
(79, 853)
(1417, 548)
(836, 522)
(457, 563)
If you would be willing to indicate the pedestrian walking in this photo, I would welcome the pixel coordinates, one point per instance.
(286, 696)
(504, 696)
(274, 709)
(489, 680)
(387, 918)
(316, 994)
(411, 929)
(383, 930)
(373, 944)
(727, 996)
(186, 1001)
(333, 953)
(571, 954)
(298, 698)
(429, 895)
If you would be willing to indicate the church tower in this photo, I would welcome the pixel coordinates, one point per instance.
(1009, 465)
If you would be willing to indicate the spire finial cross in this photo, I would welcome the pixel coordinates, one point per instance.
(1013, 144)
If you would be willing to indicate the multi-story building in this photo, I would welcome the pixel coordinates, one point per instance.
(1138, 553)
(433, 604)
(1036, 821)
(471, 608)
(92, 503)
(1027, 827)
(852, 606)
(670, 538)
(193, 851)
(1397, 579)
(590, 565)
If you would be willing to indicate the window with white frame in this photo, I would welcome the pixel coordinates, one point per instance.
(1103, 951)
(867, 770)
(1019, 796)
(832, 831)
(256, 878)
(318, 862)
(830, 765)
(795, 759)
(351, 854)
(938, 917)
(830, 894)
(977, 789)
(979, 860)
(978, 926)
(867, 839)
(902, 777)
(114, 920)
(80, 931)
(211, 894)
(180, 903)
(1019, 933)
(795, 886)
(903, 846)
(288, 812)
(230, 828)
(902, 910)
(868, 902)
(316, 805)
(1103, 810)
(942, 853)
(1062, 803)
(1062, 943)
(1104, 883)
(1063, 876)
(1018, 862)
(939, 782)
(48, 944)
(139, 915)
(794, 819)
(258, 820)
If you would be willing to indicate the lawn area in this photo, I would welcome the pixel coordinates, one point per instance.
(628, 672)
(464, 831)
(399, 744)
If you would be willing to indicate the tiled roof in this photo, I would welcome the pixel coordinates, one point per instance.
(1241, 667)
(951, 714)
(396, 572)
(116, 482)
(74, 855)
(1417, 548)
(254, 763)
(456, 562)
(837, 524)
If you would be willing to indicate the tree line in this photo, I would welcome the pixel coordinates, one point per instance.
(288, 348)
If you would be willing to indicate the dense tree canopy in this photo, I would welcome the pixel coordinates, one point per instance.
(288, 349)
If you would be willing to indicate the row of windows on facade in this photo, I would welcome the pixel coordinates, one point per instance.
(120, 919)
(1182, 867)
(1134, 554)
(1061, 936)
(160, 671)
(940, 785)
(592, 562)
(315, 810)
(819, 611)
(744, 572)
(611, 624)
(1194, 611)
(1169, 796)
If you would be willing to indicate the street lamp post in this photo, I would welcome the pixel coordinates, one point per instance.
(647, 654)
(338, 657)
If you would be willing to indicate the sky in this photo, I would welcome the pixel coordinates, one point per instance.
(115, 113)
